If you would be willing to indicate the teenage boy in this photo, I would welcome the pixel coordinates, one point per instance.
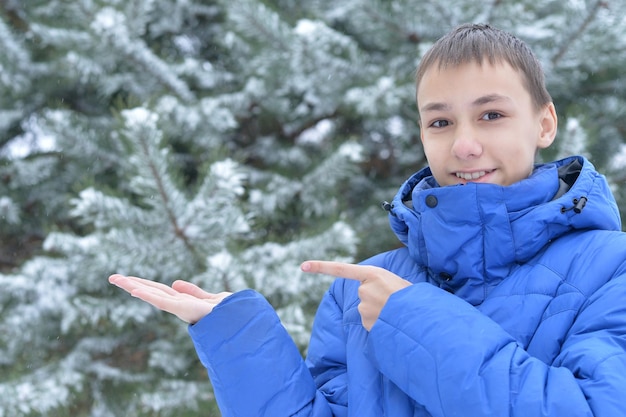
(508, 298)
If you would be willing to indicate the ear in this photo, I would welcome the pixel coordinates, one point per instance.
(548, 122)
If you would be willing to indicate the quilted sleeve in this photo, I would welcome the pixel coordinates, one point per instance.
(326, 357)
(454, 360)
(254, 365)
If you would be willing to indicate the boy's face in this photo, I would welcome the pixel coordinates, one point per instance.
(479, 124)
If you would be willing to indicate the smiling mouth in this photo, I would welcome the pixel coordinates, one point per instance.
(468, 176)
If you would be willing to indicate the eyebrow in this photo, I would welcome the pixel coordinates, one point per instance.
(489, 98)
(486, 99)
(435, 107)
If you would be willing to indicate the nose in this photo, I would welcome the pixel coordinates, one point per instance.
(466, 144)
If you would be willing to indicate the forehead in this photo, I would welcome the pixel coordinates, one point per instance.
(469, 81)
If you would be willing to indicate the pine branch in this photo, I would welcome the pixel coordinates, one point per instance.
(258, 18)
(179, 231)
(490, 11)
(443, 10)
(291, 136)
(393, 26)
(112, 26)
(13, 16)
(579, 31)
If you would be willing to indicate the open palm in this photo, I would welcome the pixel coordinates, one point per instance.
(185, 300)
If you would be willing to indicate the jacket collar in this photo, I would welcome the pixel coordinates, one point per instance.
(469, 237)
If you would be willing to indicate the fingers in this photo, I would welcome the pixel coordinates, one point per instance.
(136, 285)
(184, 299)
(157, 298)
(183, 306)
(340, 269)
(130, 284)
(191, 289)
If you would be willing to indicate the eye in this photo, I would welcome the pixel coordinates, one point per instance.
(440, 123)
(492, 115)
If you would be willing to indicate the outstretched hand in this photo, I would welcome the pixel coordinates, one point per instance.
(185, 300)
(377, 285)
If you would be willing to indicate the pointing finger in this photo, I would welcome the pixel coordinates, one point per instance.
(339, 269)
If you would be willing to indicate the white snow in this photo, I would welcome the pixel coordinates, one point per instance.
(318, 133)
(33, 140)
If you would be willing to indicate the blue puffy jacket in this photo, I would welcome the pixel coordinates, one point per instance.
(518, 308)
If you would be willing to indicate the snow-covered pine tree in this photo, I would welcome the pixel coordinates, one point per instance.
(113, 355)
(132, 131)
(164, 196)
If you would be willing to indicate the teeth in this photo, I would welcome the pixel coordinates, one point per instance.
(470, 175)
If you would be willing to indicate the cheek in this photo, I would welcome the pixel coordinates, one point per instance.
(520, 147)
(521, 160)
(434, 156)
(434, 148)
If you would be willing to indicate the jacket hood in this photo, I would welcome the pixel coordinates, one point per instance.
(469, 237)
